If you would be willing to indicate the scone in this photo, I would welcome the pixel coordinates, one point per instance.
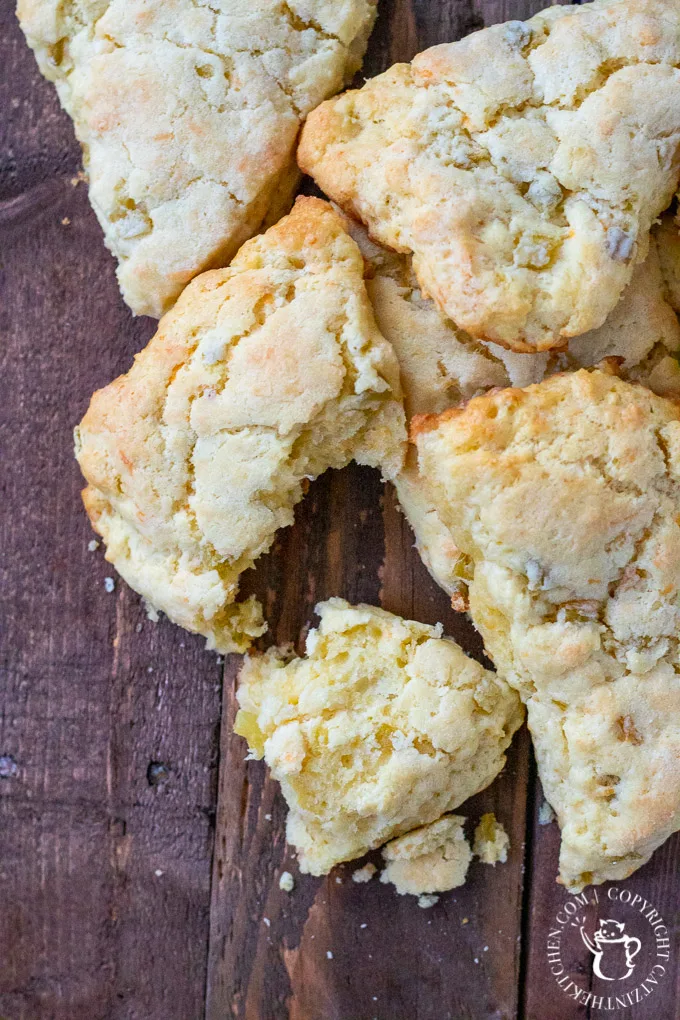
(383, 727)
(188, 115)
(522, 166)
(565, 499)
(431, 859)
(442, 365)
(261, 377)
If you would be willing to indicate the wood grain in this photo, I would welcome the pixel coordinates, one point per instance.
(133, 886)
(104, 878)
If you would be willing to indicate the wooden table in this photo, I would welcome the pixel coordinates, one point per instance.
(140, 854)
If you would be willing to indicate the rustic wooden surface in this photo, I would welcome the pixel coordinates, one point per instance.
(133, 884)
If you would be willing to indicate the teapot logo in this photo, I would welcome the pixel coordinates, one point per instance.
(613, 950)
(623, 934)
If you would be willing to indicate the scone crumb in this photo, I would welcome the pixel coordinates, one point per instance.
(546, 815)
(426, 901)
(329, 955)
(491, 840)
(286, 882)
(433, 858)
(151, 611)
(109, 584)
(92, 545)
(364, 874)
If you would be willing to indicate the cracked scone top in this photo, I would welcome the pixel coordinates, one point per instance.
(263, 375)
(523, 166)
(565, 497)
(384, 726)
(188, 114)
(442, 365)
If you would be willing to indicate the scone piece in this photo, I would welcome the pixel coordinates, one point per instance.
(431, 859)
(491, 842)
(442, 365)
(565, 499)
(523, 166)
(384, 726)
(262, 376)
(188, 114)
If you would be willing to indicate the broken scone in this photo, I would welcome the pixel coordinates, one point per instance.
(188, 114)
(565, 499)
(442, 365)
(264, 375)
(431, 859)
(523, 166)
(383, 727)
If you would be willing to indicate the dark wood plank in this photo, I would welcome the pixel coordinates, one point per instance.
(104, 877)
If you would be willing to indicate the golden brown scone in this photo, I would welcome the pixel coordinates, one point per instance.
(262, 376)
(442, 365)
(431, 859)
(188, 114)
(384, 726)
(565, 499)
(523, 166)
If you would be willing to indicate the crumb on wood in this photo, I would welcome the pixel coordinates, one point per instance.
(545, 814)
(286, 882)
(364, 874)
(491, 841)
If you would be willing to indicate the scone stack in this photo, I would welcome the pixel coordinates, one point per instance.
(504, 297)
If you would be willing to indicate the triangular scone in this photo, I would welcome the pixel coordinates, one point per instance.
(565, 497)
(383, 727)
(188, 114)
(442, 365)
(261, 377)
(523, 166)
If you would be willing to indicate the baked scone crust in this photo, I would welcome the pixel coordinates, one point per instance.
(382, 727)
(523, 166)
(565, 498)
(262, 376)
(188, 114)
(441, 365)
